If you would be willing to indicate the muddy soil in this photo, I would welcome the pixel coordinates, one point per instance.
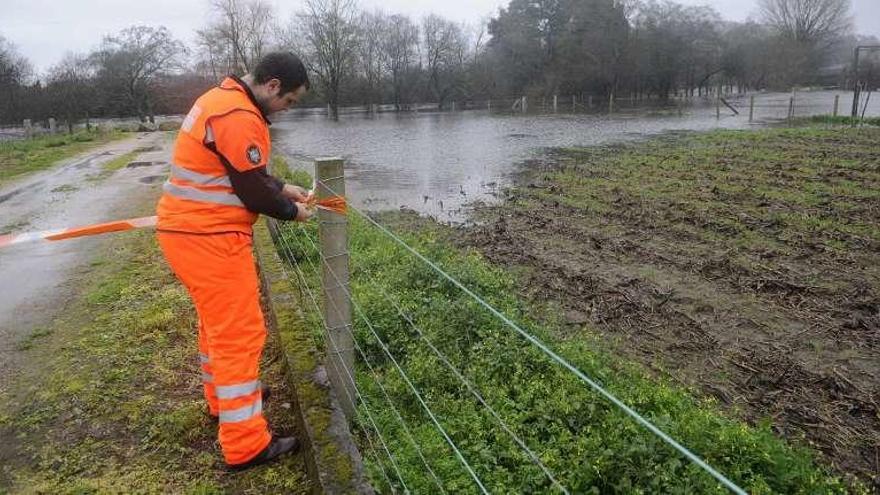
(784, 327)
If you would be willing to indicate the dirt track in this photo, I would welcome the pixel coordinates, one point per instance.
(750, 282)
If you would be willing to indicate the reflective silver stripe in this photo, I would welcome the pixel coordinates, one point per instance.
(204, 359)
(207, 377)
(194, 194)
(179, 172)
(235, 391)
(242, 413)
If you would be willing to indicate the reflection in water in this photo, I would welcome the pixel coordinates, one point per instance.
(435, 163)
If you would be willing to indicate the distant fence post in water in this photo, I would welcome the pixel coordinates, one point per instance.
(836, 104)
(333, 234)
(751, 108)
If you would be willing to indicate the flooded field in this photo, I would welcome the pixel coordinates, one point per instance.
(437, 162)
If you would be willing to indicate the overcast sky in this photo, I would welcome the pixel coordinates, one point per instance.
(44, 30)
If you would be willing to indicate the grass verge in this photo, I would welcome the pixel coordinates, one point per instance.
(840, 120)
(18, 158)
(112, 401)
(587, 443)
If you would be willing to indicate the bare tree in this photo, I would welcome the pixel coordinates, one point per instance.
(370, 30)
(478, 34)
(813, 21)
(235, 41)
(15, 72)
(445, 46)
(326, 34)
(130, 63)
(71, 89)
(807, 30)
(400, 52)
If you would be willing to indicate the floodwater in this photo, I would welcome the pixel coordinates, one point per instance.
(437, 162)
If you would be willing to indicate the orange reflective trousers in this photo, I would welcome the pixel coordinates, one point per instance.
(218, 271)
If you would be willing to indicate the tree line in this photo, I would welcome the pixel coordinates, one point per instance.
(607, 48)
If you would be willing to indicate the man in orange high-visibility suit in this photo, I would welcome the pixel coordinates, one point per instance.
(218, 187)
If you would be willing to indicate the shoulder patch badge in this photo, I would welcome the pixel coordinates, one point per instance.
(253, 154)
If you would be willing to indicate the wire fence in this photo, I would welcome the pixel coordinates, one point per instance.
(298, 248)
(753, 107)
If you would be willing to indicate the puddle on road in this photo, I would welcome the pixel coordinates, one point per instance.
(151, 179)
(65, 188)
(84, 163)
(6, 197)
(144, 164)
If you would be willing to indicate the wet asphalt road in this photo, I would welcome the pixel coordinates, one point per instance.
(35, 277)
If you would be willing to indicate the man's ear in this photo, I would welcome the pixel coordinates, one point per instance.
(274, 86)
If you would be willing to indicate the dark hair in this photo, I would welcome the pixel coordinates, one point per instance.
(284, 66)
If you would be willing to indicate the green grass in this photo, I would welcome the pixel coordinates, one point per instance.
(111, 401)
(749, 187)
(18, 158)
(587, 442)
(120, 161)
(840, 120)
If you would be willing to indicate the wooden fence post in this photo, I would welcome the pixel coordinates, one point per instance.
(751, 108)
(336, 290)
(836, 104)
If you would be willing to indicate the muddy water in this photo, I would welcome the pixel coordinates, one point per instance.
(33, 277)
(437, 162)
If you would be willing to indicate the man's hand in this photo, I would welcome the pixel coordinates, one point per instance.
(304, 211)
(296, 194)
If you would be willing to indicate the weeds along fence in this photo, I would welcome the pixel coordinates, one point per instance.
(451, 387)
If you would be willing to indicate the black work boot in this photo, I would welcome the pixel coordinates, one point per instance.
(276, 448)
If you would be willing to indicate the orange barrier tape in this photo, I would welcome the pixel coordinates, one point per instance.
(7, 239)
(61, 234)
(104, 228)
(336, 204)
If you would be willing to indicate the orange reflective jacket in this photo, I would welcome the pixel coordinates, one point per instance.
(224, 124)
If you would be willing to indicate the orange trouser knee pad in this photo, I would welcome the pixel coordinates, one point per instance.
(218, 271)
